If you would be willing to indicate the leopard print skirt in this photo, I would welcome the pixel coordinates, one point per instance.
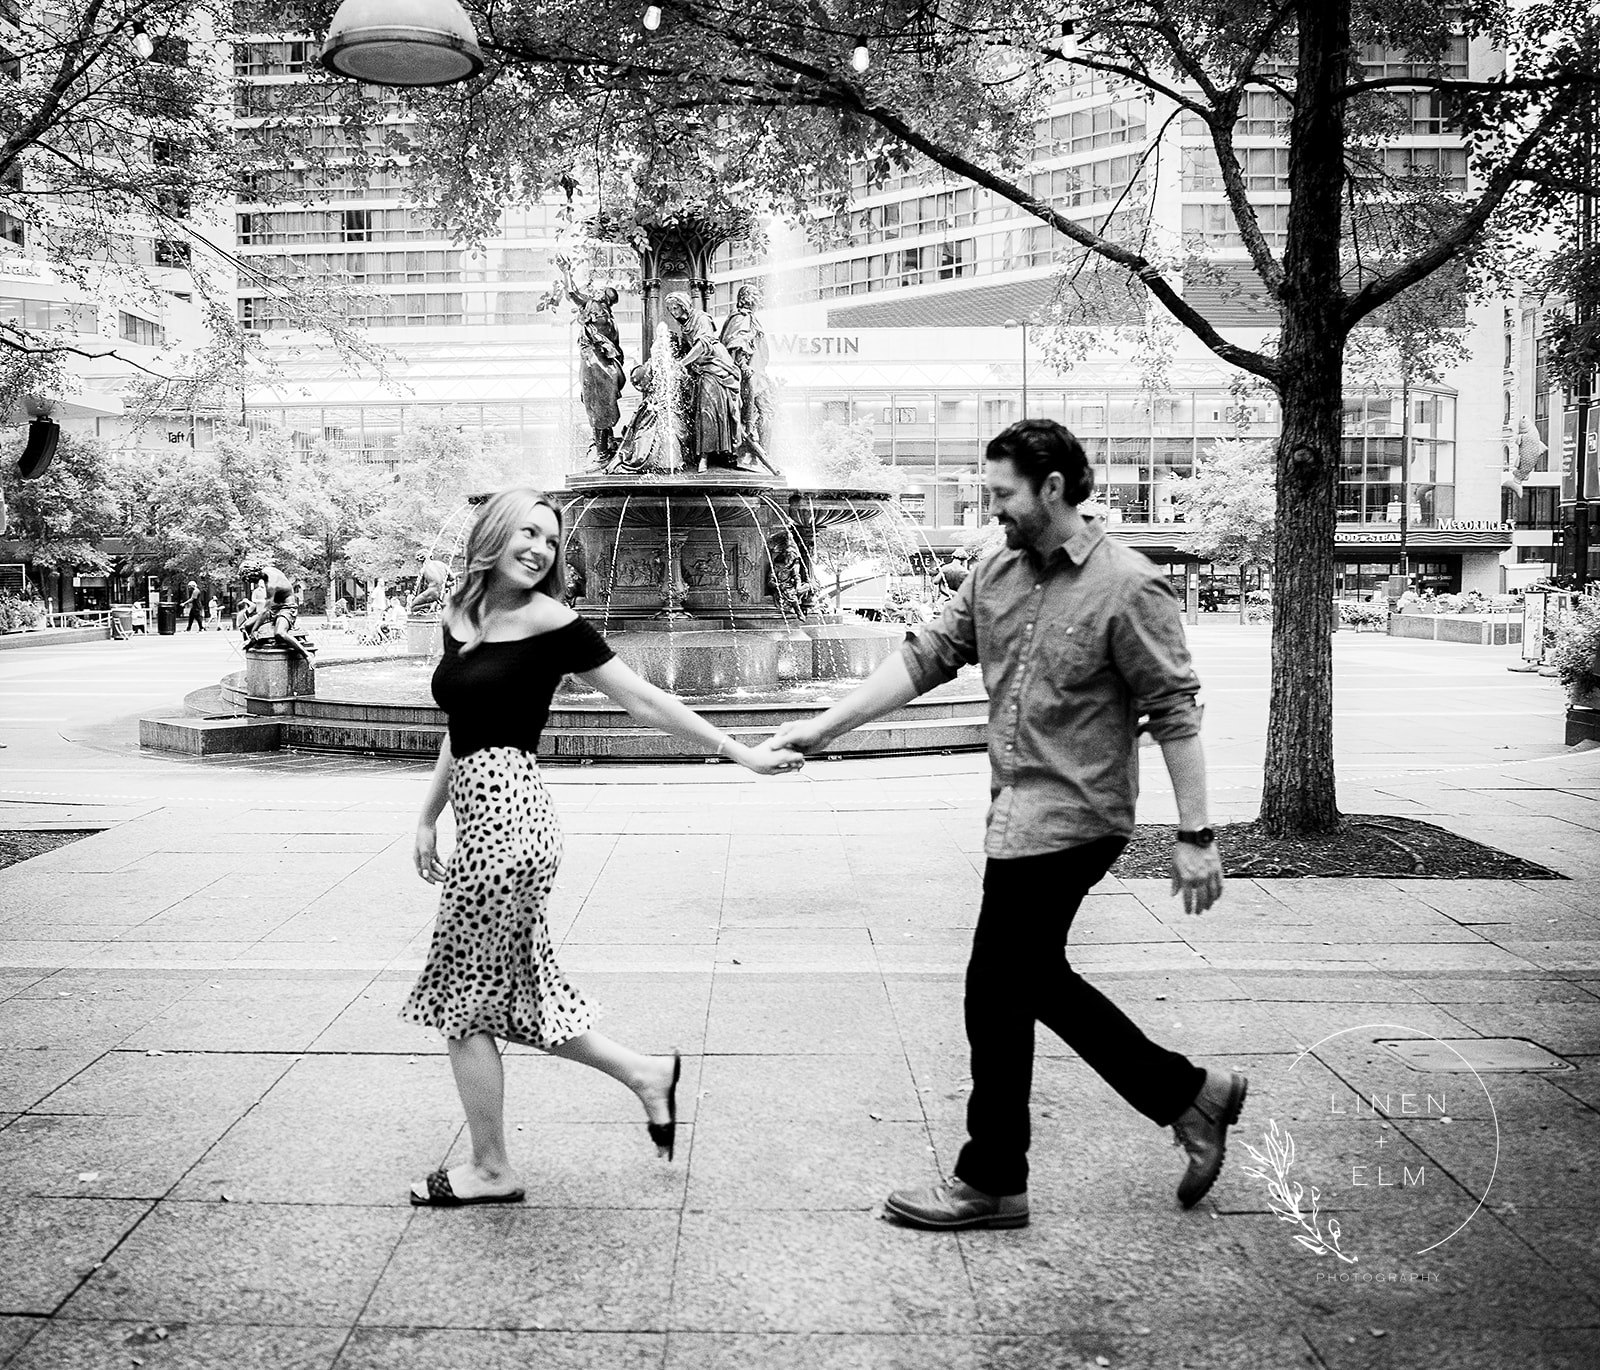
(491, 967)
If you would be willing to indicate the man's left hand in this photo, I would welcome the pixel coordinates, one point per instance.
(1197, 874)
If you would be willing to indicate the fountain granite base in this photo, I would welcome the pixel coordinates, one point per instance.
(693, 579)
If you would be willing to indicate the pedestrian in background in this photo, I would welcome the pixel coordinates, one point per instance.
(509, 640)
(195, 608)
(1079, 639)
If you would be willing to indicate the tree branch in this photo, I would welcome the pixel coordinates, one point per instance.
(1384, 288)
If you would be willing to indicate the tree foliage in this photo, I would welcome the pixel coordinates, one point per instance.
(762, 98)
(119, 171)
(58, 519)
(424, 509)
(1227, 505)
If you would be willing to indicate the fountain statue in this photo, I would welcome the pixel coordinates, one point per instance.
(600, 354)
(746, 341)
(685, 546)
(433, 581)
(713, 435)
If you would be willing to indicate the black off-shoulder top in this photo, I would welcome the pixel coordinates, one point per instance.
(499, 693)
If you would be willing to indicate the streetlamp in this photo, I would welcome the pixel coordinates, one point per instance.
(1023, 325)
(402, 43)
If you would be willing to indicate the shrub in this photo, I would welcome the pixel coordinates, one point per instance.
(1577, 650)
(1356, 615)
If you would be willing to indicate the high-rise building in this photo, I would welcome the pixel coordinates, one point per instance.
(467, 343)
(922, 312)
(926, 316)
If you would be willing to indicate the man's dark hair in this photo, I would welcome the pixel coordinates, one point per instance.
(1036, 447)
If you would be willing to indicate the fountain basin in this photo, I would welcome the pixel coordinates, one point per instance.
(382, 708)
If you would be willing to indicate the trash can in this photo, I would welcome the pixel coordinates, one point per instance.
(123, 613)
(166, 618)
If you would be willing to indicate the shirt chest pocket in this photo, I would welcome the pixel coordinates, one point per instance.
(1070, 653)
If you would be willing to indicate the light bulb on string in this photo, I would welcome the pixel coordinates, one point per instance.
(652, 17)
(143, 43)
(861, 59)
(1068, 45)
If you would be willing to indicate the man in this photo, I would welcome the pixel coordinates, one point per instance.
(1078, 637)
(196, 607)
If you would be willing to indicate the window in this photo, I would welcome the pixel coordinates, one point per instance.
(49, 314)
(139, 330)
(11, 230)
(252, 229)
(10, 65)
(1447, 165)
(955, 259)
(356, 225)
(270, 59)
(1540, 508)
(171, 252)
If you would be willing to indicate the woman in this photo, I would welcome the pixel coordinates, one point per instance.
(714, 414)
(508, 641)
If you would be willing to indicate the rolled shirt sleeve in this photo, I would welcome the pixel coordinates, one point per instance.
(935, 653)
(1147, 644)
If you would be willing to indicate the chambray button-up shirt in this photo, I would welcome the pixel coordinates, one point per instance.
(1079, 654)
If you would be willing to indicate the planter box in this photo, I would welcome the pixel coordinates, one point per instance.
(1480, 630)
(52, 637)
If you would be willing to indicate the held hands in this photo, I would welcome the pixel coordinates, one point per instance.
(769, 758)
(426, 854)
(803, 735)
(1197, 875)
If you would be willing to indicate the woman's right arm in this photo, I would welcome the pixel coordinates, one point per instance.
(429, 866)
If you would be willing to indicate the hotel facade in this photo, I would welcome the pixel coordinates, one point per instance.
(923, 316)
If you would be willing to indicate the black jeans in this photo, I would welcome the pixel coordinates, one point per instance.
(1018, 975)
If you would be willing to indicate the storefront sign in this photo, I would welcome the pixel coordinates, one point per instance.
(1475, 526)
(1591, 454)
(1368, 535)
(1569, 456)
(815, 345)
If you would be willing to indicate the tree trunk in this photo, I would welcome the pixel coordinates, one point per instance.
(1298, 793)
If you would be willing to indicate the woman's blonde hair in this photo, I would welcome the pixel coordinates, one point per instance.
(501, 516)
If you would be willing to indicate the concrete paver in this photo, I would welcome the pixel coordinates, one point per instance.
(209, 1112)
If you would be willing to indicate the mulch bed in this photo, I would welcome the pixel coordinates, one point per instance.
(16, 845)
(1375, 845)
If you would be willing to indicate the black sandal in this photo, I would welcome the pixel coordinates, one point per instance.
(664, 1135)
(441, 1195)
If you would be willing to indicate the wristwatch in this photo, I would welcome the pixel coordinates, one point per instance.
(1196, 837)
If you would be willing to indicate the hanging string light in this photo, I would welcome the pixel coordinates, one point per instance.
(1068, 43)
(652, 17)
(861, 59)
(143, 43)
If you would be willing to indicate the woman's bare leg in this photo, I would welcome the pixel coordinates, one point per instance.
(650, 1077)
(481, 1083)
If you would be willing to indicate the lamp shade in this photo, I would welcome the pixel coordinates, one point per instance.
(402, 43)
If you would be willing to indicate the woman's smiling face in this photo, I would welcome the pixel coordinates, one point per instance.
(532, 549)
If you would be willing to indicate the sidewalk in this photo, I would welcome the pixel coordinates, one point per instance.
(209, 1113)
